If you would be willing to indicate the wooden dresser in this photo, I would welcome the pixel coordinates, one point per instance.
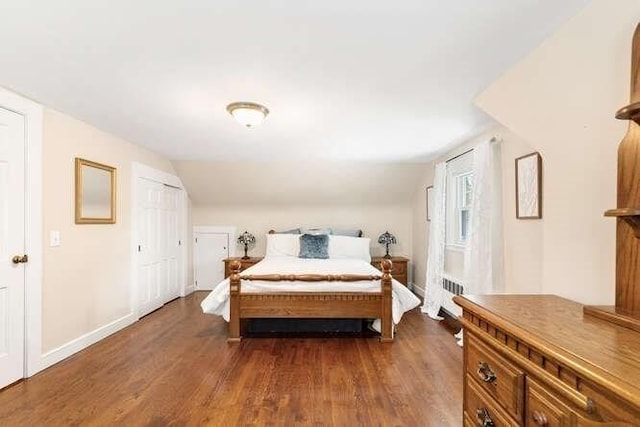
(246, 263)
(399, 271)
(536, 360)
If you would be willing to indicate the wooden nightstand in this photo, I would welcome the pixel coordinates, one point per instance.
(245, 263)
(399, 271)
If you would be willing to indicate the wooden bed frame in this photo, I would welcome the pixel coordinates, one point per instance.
(350, 305)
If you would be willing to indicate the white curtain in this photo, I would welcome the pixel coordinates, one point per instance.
(435, 259)
(484, 259)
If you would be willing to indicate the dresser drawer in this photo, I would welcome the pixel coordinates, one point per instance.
(498, 377)
(468, 421)
(543, 409)
(608, 408)
(483, 409)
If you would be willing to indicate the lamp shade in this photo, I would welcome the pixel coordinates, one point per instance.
(246, 238)
(248, 114)
(387, 238)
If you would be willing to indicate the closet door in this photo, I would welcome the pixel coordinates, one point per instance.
(152, 274)
(209, 251)
(172, 243)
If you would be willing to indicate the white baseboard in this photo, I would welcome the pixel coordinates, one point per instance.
(418, 290)
(58, 354)
(189, 290)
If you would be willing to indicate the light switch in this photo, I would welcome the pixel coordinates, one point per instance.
(54, 238)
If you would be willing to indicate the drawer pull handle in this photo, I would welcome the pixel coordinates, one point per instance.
(484, 419)
(485, 373)
(540, 418)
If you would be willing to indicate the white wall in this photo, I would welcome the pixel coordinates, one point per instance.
(86, 283)
(372, 219)
(562, 99)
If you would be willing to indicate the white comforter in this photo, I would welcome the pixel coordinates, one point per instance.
(217, 302)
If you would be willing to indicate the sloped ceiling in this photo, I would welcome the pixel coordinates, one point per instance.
(318, 183)
(365, 80)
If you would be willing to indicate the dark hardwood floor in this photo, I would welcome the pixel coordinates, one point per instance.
(174, 367)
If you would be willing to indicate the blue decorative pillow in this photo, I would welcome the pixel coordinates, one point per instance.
(314, 246)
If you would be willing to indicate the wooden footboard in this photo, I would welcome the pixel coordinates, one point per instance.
(366, 305)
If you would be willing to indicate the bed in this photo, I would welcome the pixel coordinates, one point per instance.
(342, 284)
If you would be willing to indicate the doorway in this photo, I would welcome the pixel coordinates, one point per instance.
(20, 237)
(12, 246)
(211, 245)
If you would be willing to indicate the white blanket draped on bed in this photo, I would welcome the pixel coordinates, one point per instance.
(217, 302)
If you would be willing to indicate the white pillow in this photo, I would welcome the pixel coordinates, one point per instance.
(283, 245)
(349, 247)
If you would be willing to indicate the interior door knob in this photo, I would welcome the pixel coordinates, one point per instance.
(20, 259)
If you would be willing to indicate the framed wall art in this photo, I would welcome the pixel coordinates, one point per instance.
(429, 201)
(529, 186)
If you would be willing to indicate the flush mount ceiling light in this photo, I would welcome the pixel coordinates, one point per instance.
(248, 114)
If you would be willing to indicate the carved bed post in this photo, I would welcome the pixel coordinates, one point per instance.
(386, 320)
(234, 302)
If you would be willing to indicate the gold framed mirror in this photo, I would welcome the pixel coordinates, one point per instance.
(95, 193)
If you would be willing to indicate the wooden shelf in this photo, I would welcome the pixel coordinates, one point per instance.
(630, 112)
(630, 215)
(622, 212)
(627, 308)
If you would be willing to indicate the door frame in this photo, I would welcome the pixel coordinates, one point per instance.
(33, 115)
(138, 171)
(230, 230)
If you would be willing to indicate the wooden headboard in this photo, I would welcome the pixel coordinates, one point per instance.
(341, 232)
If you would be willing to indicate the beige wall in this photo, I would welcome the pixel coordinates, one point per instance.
(372, 219)
(87, 279)
(522, 238)
(420, 229)
(308, 183)
(562, 99)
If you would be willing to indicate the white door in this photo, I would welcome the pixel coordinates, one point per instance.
(172, 243)
(12, 275)
(152, 277)
(209, 249)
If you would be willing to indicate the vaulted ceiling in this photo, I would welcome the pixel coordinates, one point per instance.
(365, 80)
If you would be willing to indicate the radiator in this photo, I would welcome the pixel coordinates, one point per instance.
(451, 287)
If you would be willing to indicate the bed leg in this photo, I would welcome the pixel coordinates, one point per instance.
(386, 319)
(234, 303)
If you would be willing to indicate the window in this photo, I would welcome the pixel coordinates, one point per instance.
(459, 190)
(464, 190)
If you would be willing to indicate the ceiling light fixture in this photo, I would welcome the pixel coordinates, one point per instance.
(248, 114)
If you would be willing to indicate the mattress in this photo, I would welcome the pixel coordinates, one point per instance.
(217, 302)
